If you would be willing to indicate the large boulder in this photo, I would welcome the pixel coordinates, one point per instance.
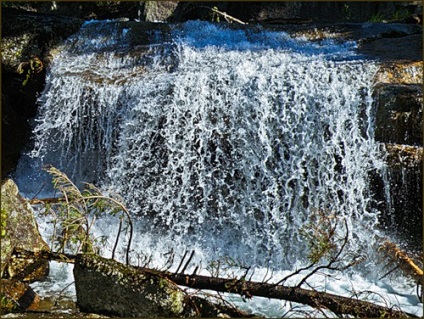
(20, 231)
(105, 286)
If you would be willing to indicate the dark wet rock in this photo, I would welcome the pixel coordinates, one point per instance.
(383, 42)
(403, 48)
(392, 42)
(399, 113)
(21, 232)
(314, 11)
(404, 156)
(404, 213)
(289, 11)
(140, 10)
(83, 10)
(398, 124)
(25, 35)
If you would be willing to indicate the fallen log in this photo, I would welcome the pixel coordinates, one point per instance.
(46, 255)
(317, 299)
(337, 304)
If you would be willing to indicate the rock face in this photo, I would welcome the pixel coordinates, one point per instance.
(21, 232)
(105, 286)
(399, 109)
(405, 175)
(391, 42)
(401, 73)
(25, 36)
(399, 115)
(332, 11)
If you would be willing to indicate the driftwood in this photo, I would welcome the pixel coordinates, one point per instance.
(396, 255)
(317, 299)
(226, 16)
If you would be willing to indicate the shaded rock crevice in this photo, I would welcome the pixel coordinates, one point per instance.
(398, 126)
(25, 36)
(399, 113)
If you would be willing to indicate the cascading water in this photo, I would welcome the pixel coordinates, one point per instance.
(220, 140)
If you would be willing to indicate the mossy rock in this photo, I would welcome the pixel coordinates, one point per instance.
(20, 232)
(17, 296)
(155, 11)
(107, 287)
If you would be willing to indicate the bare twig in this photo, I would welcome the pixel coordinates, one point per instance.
(188, 262)
(226, 16)
(181, 262)
(117, 238)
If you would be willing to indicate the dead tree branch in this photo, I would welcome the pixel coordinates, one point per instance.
(320, 300)
(226, 16)
(400, 257)
(337, 304)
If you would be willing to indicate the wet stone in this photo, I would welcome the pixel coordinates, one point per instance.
(399, 113)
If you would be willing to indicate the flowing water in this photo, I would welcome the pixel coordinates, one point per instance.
(224, 141)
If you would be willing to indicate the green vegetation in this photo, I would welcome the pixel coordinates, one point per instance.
(3, 219)
(6, 304)
(347, 11)
(30, 68)
(76, 212)
(398, 15)
(320, 234)
(214, 15)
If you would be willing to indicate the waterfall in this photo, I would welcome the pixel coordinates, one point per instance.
(223, 140)
(227, 139)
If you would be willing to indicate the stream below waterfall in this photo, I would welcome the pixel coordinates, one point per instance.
(225, 141)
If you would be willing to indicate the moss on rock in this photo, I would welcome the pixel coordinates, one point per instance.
(21, 231)
(108, 287)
